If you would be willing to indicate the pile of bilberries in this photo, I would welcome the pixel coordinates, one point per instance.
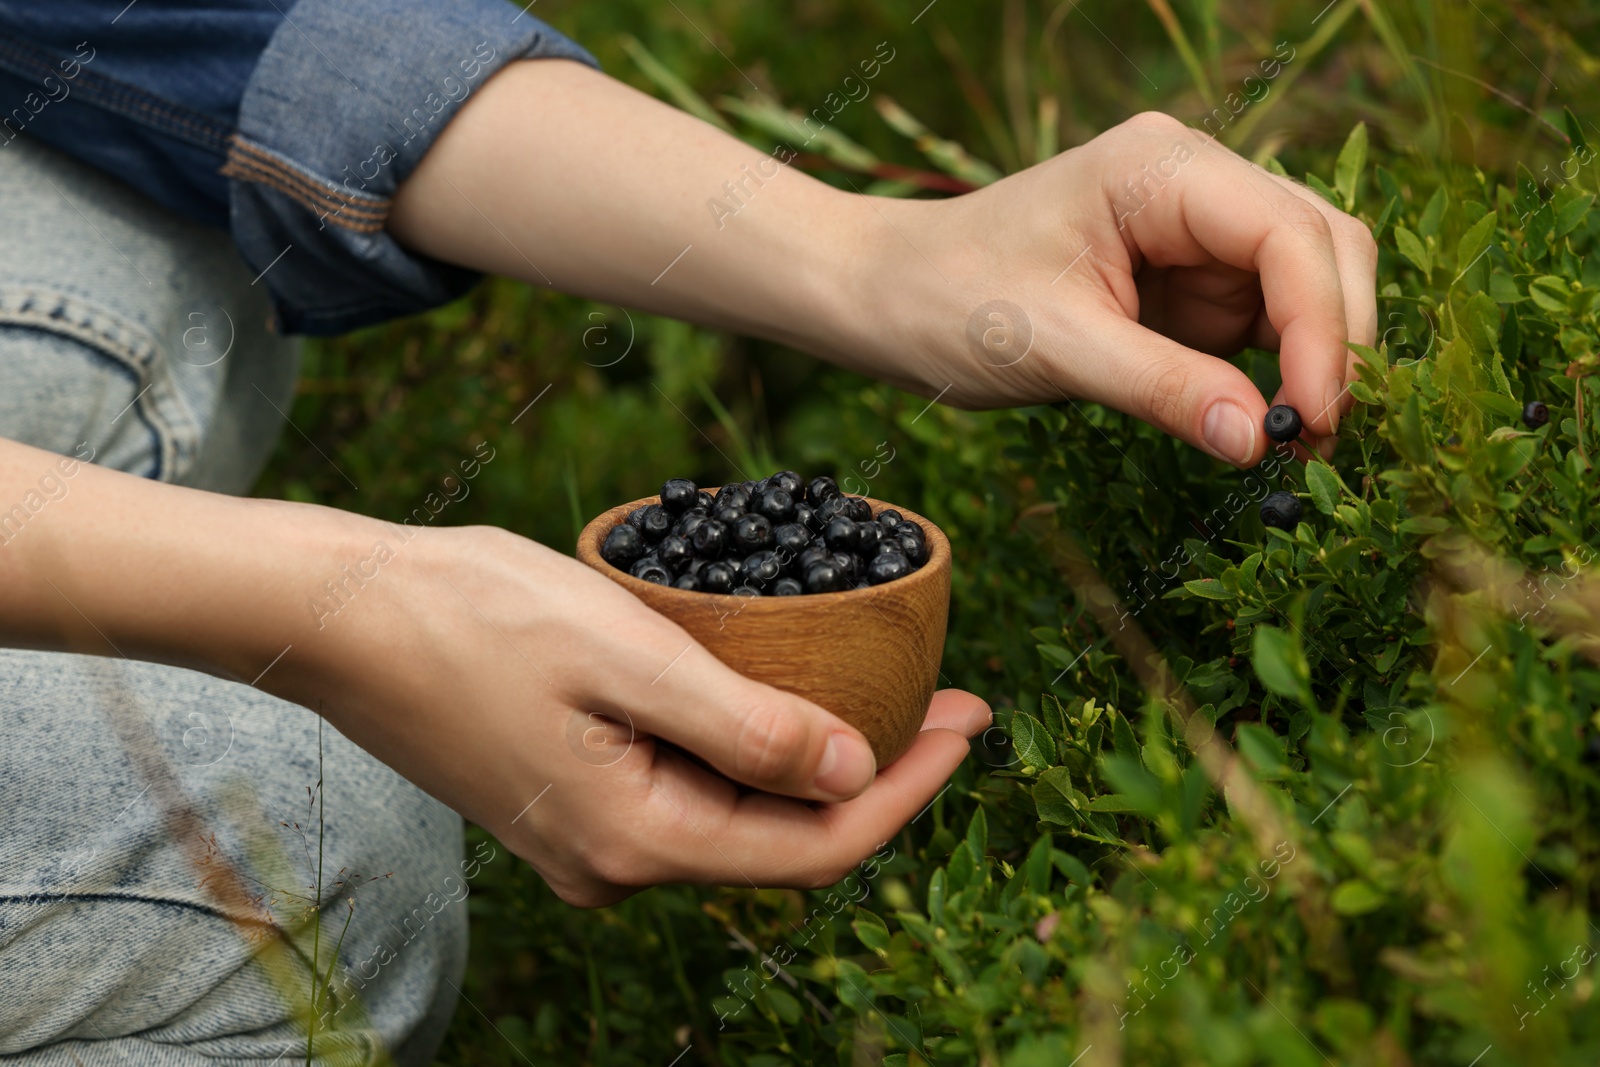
(779, 536)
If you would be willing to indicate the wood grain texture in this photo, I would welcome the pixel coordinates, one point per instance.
(870, 656)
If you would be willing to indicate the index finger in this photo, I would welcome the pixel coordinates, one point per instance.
(1228, 210)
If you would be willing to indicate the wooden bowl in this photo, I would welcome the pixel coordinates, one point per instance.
(870, 656)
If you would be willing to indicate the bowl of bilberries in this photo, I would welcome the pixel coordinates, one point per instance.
(838, 598)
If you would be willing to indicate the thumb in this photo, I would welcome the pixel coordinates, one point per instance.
(756, 734)
(1197, 398)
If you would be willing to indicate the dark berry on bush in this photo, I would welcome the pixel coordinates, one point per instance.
(820, 489)
(1282, 422)
(1535, 414)
(656, 522)
(760, 568)
(825, 578)
(889, 518)
(887, 567)
(857, 508)
(622, 546)
(635, 518)
(746, 591)
(689, 582)
(787, 587)
(776, 504)
(679, 495)
(751, 532)
(915, 548)
(788, 481)
(791, 537)
(1282, 510)
(710, 539)
(841, 535)
(732, 496)
(717, 577)
(651, 569)
(703, 499)
(675, 551)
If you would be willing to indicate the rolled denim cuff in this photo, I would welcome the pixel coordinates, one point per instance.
(345, 101)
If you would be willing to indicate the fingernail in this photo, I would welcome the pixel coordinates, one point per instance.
(1229, 432)
(847, 767)
(1335, 395)
(979, 720)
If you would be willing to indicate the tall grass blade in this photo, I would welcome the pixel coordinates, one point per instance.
(677, 90)
(1191, 59)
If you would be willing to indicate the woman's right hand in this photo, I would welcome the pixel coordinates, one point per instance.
(486, 667)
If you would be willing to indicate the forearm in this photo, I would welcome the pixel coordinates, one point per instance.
(106, 563)
(563, 177)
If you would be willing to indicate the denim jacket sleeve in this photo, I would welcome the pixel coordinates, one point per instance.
(292, 123)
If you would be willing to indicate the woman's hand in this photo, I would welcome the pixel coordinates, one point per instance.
(528, 692)
(480, 665)
(1116, 272)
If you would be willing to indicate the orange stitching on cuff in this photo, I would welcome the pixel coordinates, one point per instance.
(376, 207)
(245, 171)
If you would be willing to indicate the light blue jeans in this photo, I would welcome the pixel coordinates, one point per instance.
(129, 791)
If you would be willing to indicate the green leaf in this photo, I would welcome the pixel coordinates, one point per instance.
(1209, 588)
(785, 1007)
(1122, 736)
(1428, 225)
(1052, 798)
(1036, 868)
(1059, 656)
(1118, 803)
(1324, 486)
(1412, 248)
(871, 930)
(1497, 404)
(1278, 661)
(1261, 750)
(1570, 214)
(1032, 741)
(1574, 131)
(1320, 187)
(855, 989)
(978, 835)
(1135, 784)
(1475, 242)
(1355, 897)
(1550, 292)
(1352, 160)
